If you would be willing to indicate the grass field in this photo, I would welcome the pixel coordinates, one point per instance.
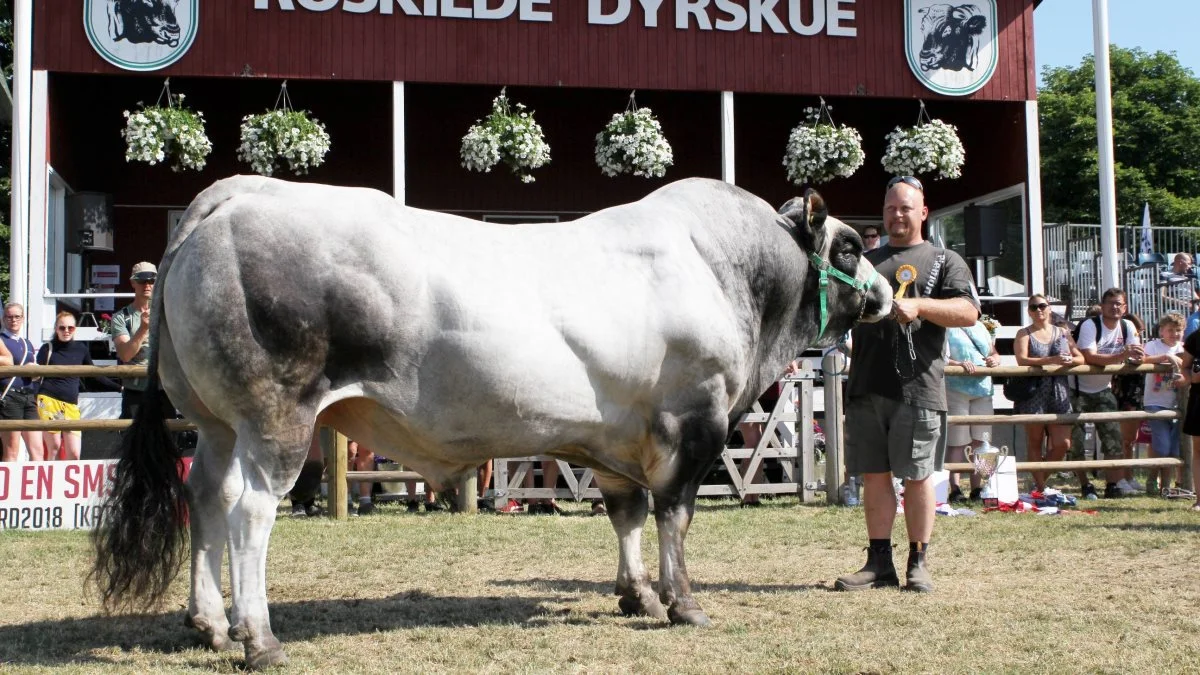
(1115, 592)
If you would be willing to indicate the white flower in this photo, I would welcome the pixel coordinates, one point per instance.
(633, 142)
(290, 136)
(923, 149)
(516, 140)
(818, 152)
(152, 134)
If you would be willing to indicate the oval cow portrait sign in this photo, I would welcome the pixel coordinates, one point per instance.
(141, 34)
(951, 46)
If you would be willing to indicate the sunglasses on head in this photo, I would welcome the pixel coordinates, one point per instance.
(910, 181)
(1041, 306)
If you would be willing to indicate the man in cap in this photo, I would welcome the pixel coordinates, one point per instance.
(131, 335)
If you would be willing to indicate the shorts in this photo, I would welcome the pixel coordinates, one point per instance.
(892, 436)
(959, 403)
(54, 409)
(1109, 432)
(1164, 434)
(19, 405)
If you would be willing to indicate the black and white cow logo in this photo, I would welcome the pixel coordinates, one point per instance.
(952, 35)
(143, 21)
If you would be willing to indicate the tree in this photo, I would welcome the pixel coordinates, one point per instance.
(1156, 140)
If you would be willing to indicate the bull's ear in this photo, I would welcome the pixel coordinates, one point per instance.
(808, 215)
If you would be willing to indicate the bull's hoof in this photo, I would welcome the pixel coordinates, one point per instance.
(214, 636)
(267, 656)
(644, 604)
(688, 615)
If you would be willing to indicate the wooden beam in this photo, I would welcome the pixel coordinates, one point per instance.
(1069, 418)
(1148, 463)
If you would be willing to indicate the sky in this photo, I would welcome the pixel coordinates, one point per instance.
(1063, 29)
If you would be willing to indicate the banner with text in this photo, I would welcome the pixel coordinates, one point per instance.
(56, 495)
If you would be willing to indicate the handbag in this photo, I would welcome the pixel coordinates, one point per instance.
(1018, 389)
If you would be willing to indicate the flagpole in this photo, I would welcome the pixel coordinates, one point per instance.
(1110, 270)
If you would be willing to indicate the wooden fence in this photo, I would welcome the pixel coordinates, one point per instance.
(787, 436)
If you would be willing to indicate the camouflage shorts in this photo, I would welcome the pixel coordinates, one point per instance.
(1109, 432)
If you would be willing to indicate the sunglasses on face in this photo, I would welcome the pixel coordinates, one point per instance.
(910, 181)
(69, 329)
(1041, 307)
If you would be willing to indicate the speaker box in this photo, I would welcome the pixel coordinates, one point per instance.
(89, 222)
(984, 227)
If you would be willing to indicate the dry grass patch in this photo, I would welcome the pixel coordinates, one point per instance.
(1115, 592)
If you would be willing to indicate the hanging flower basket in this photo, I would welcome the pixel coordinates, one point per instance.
(633, 143)
(930, 146)
(819, 151)
(283, 135)
(157, 133)
(514, 138)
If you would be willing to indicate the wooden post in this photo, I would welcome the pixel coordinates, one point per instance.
(338, 489)
(834, 364)
(466, 493)
(805, 456)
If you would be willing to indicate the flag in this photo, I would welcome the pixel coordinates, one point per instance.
(1147, 240)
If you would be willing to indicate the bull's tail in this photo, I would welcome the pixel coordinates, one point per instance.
(140, 542)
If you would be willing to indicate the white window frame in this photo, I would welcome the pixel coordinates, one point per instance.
(518, 218)
(937, 232)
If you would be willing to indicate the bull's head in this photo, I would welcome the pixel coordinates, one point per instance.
(951, 37)
(849, 289)
(141, 21)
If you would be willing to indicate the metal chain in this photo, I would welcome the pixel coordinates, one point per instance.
(912, 352)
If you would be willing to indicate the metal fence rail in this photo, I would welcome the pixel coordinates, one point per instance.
(1072, 274)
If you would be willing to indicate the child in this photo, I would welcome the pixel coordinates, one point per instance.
(1160, 394)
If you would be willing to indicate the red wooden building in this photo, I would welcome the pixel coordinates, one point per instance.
(398, 82)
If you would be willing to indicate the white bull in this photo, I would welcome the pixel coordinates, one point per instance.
(628, 341)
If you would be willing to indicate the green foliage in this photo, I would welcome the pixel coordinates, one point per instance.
(1156, 140)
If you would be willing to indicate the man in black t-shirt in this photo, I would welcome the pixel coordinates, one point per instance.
(897, 394)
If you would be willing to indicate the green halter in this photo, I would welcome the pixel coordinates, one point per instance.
(826, 270)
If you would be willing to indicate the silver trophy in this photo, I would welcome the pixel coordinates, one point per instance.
(986, 460)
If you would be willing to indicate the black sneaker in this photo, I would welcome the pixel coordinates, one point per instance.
(297, 510)
(432, 507)
(956, 497)
(413, 506)
(976, 494)
(1111, 491)
(366, 509)
(1088, 491)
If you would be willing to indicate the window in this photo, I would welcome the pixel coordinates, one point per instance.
(947, 224)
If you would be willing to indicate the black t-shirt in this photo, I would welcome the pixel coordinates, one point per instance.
(71, 353)
(881, 363)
